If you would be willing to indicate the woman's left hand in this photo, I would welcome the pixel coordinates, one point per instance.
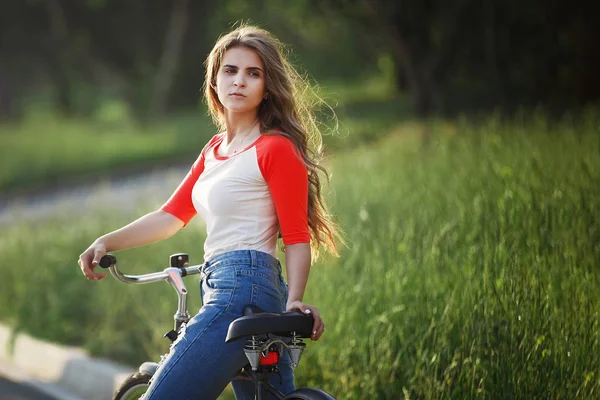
(318, 326)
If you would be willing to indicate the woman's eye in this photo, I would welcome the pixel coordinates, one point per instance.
(229, 71)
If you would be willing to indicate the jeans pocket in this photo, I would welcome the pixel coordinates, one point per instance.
(222, 279)
(283, 283)
(269, 299)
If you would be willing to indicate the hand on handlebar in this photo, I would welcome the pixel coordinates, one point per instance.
(319, 326)
(89, 259)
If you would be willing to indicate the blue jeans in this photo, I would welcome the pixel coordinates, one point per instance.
(200, 363)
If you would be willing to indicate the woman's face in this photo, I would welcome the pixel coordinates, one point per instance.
(241, 80)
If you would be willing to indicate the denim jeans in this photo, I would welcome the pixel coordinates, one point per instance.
(200, 363)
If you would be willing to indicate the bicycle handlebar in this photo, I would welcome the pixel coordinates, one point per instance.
(174, 275)
(171, 273)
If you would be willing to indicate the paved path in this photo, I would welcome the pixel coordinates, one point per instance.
(124, 193)
(14, 391)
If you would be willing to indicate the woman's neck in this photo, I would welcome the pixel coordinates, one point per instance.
(240, 124)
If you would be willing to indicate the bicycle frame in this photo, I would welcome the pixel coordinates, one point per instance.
(261, 383)
(174, 276)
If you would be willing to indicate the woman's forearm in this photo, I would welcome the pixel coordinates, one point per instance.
(150, 228)
(297, 261)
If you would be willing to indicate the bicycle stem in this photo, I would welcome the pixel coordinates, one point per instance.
(173, 275)
(174, 278)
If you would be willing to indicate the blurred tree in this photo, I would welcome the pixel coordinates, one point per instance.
(448, 55)
(420, 35)
(6, 97)
(61, 59)
(169, 60)
(455, 54)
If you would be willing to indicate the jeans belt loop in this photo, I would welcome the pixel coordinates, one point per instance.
(203, 271)
(253, 258)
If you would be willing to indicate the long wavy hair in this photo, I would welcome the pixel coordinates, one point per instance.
(287, 111)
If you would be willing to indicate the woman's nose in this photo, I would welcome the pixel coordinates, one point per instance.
(239, 81)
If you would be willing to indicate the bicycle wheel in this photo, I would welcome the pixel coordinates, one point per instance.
(133, 388)
(309, 394)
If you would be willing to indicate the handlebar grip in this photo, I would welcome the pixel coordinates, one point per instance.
(107, 260)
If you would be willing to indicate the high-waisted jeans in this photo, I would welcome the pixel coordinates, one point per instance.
(200, 363)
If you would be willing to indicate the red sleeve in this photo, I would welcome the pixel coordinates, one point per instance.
(180, 203)
(286, 175)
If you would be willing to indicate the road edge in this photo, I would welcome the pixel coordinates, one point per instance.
(63, 372)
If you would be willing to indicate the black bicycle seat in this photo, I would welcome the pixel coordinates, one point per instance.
(257, 322)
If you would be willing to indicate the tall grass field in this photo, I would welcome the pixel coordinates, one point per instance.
(472, 269)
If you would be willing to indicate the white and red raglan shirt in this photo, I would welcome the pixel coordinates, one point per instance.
(246, 199)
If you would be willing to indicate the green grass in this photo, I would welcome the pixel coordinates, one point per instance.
(471, 270)
(44, 149)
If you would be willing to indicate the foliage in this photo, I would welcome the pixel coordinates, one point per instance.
(449, 55)
(470, 270)
(456, 55)
(69, 48)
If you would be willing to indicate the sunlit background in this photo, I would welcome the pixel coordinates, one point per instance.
(463, 143)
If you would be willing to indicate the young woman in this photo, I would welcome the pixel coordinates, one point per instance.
(253, 182)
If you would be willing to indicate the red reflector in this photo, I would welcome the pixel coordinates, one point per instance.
(271, 358)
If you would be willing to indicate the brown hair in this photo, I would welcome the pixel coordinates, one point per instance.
(287, 111)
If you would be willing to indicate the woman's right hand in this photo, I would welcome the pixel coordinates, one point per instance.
(89, 259)
(150, 228)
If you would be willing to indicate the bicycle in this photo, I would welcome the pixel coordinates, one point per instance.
(267, 335)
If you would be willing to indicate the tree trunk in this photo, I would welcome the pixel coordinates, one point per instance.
(491, 52)
(6, 97)
(419, 85)
(60, 55)
(169, 60)
(404, 60)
